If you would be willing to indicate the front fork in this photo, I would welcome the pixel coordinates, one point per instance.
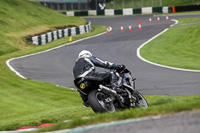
(131, 98)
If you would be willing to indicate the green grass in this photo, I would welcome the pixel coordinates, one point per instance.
(159, 105)
(118, 4)
(26, 102)
(29, 103)
(188, 20)
(19, 18)
(180, 13)
(180, 51)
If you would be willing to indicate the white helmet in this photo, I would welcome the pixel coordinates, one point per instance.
(84, 53)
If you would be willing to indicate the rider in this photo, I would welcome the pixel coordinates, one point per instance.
(85, 67)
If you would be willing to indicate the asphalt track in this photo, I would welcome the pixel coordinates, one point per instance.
(187, 122)
(56, 66)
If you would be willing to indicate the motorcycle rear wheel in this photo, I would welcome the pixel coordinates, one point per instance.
(98, 104)
(141, 101)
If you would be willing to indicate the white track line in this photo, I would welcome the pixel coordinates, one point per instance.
(176, 22)
(174, 68)
(17, 73)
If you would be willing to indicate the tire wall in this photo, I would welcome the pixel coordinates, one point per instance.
(54, 35)
(187, 8)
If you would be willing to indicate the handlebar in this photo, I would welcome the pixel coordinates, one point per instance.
(122, 71)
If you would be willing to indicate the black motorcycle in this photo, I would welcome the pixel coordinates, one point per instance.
(102, 98)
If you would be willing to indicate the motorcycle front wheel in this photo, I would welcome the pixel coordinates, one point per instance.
(141, 101)
(98, 103)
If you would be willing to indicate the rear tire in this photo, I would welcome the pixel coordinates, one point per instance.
(98, 104)
(141, 101)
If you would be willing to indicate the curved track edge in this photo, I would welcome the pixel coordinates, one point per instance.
(156, 64)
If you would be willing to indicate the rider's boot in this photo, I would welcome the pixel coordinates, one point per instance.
(115, 85)
(85, 100)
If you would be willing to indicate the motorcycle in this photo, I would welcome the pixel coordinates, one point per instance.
(102, 98)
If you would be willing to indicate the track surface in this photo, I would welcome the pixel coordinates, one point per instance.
(179, 123)
(56, 66)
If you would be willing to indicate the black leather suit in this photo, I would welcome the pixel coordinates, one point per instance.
(85, 67)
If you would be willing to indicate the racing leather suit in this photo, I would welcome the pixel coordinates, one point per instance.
(85, 67)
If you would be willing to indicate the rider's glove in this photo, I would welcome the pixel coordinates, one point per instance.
(121, 67)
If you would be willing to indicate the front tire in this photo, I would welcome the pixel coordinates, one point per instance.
(141, 101)
(98, 103)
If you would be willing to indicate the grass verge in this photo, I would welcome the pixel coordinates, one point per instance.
(30, 103)
(26, 102)
(180, 51)
(188, 20)
(20, 18)
(159, 105)
(182, 13)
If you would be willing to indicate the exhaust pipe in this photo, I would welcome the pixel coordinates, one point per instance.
(108, 90)
(112, 92)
